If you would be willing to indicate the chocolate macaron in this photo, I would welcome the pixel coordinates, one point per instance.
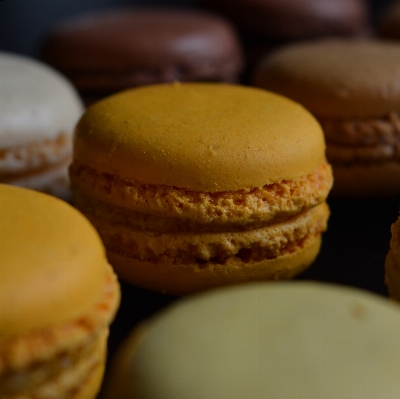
(291, 19)
(106, 51)
(197, 185)
(352, 88)
(265, 25)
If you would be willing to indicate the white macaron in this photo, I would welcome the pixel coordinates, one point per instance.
(38, 113)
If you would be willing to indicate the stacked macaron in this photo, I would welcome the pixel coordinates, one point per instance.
(352, 87)
(281, 341)
(58, 296)
(38, 113)
(105, 51)
(198, 185)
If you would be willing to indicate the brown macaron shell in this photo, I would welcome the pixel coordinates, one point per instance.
(351, 87)
(291, 19)
(110, 50)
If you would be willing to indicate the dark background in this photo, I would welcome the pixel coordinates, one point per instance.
(24, 22)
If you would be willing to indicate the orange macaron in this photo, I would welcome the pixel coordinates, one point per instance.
(58, 296)
(197, 185)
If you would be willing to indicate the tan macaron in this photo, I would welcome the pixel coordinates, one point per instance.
(58, 296)
(289, 340)
(352, 87)
(197, 185)
(392, 263)
(38, 112)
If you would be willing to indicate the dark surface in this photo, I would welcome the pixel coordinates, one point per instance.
(23, 23)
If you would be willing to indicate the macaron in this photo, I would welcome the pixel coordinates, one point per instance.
(38, 113)
(287, 340)
(389, 22)
(105, 51)
(291, 19)
(265, 25)
(58, 296)
(196, 185)
(351, 87)
(392, 263)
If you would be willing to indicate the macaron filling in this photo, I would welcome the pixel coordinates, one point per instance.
(34, 158)
(205, 249)
(363, 139)
(168, 209)
(252, 226)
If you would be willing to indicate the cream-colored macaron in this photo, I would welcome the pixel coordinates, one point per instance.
(352, 88)
(292, 340)
(58, 295)
(197, 185)
(38, 113)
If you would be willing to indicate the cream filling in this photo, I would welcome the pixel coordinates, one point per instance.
(108, 197)
(34, 157)
(363, 140)
(188, 248)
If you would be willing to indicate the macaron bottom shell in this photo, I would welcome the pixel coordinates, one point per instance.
(182, 280)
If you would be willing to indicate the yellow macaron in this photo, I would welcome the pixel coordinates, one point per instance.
(58, 296)
(197, 185)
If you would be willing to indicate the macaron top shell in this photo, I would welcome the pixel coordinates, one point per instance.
(336, 78)
(200, 136)
(288, 340)
(53, 266)
(119, 39)
(286, 19)
(37, 103)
